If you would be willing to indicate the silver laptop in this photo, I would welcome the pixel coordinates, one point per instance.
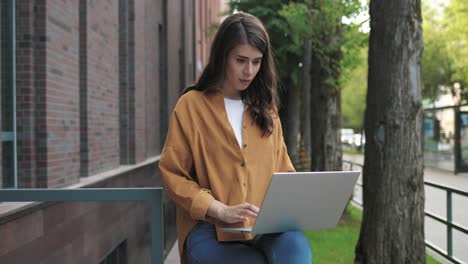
(302, 201)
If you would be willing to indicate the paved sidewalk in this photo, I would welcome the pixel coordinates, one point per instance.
(173, 257)
(458, 181)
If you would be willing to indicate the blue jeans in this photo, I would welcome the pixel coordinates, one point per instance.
(202, 247)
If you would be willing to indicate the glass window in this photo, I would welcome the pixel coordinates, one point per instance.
(439, 138)
(7, 94)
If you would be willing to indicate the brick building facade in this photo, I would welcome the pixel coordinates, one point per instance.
(87, 88)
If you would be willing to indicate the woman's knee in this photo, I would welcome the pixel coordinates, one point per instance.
(296, 243)
(224, 252)
(202, 247)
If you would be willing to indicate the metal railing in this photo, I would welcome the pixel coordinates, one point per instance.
(153, 196)
(448, 221)
(359, 184)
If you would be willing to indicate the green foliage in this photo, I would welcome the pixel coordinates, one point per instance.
(456, 22)
(286, 55)
(295, 15)
(353, 78)
(321, 21)
(445, 56)
(290, 23)
(353, 95)
(354, 41)
(436, 62)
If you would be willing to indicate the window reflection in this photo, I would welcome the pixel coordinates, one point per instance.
(439, 138)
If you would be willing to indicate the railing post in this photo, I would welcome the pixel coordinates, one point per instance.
(157, 232)
(449, 223)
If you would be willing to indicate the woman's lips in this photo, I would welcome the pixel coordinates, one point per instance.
(245, 82)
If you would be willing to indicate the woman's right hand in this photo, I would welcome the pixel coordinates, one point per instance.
(232, 214)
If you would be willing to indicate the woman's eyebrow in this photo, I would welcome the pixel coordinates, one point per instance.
(245, 57)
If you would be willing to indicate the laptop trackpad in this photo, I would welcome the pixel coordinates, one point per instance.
(236, 229)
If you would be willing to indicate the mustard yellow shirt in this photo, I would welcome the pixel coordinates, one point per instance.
(202, 161)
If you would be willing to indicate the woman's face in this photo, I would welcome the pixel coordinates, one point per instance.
(242, 66)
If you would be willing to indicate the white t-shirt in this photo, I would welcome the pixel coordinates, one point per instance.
(235, 113)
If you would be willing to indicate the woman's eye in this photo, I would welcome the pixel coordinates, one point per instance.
(240, 60)
(256, 62)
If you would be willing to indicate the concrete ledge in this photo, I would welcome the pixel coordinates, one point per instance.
(10, 209)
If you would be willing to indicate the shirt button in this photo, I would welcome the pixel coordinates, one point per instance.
(245, 145)
(242, 164)
(245, 184)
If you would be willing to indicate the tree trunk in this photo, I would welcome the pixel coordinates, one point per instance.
(290, 116)
(393, 225)
(305, 107)
(325, 116)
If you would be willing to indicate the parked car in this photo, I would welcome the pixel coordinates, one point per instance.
(347, 135)
(358, 140)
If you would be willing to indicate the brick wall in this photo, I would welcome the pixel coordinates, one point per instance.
(25, 93)
(201, 34)
(31, 90)
(62, 93)
(68, 87)
(164, 78)
(1, 143)
(140, 80)
(174, 52)
(83, 93)
(7, 96)
(207, 13)
(140, 71)
(189, 42)
(102, 85)
(152, 75)
(126, 79)
(39, 103)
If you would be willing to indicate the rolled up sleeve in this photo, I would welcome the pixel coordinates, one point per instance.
(200, 204)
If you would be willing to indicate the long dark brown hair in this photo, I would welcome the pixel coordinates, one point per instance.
(261, 95)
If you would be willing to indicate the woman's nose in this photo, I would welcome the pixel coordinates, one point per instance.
(248, 69)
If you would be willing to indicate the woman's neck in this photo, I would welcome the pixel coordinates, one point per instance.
(231, 94)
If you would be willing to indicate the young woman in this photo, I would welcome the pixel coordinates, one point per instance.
(224, 143)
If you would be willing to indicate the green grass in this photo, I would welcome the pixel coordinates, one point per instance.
(351, 151)
(337, 245)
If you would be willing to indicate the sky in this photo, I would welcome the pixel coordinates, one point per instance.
(436, 4)
(361, 18)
